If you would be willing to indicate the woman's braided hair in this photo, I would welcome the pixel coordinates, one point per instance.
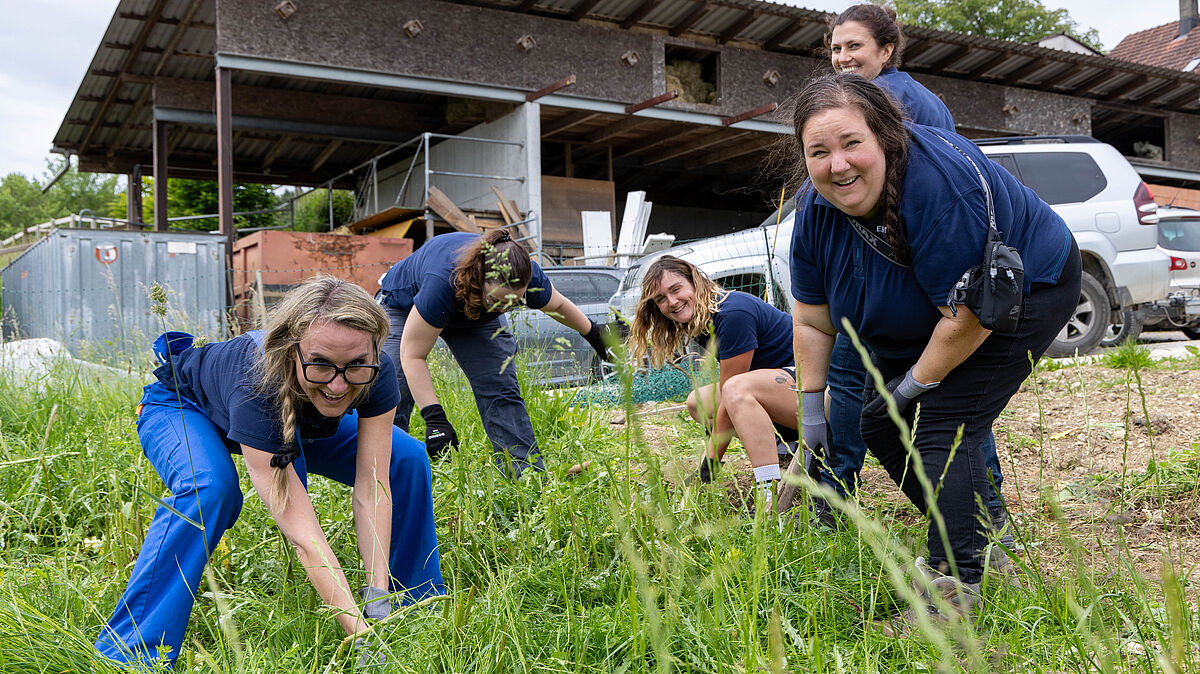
(883, 117)
(322, 299)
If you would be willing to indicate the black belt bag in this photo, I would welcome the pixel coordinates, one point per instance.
(993, 291)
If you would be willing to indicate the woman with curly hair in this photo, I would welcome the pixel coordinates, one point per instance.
(457, 286)
(309, 394)
(754, 396)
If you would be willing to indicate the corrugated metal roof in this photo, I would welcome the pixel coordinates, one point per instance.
(109, 120)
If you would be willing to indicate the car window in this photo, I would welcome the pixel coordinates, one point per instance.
(1061, 177)
(1182, 235)
(1006, 160)
(584, 288)
(752, 284)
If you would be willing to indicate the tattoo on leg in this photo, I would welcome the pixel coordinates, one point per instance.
(781, 380)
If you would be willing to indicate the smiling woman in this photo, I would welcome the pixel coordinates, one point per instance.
(936, 196)
(755, 396)
(301, 397)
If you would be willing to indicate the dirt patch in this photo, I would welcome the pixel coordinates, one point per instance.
(1119, 460)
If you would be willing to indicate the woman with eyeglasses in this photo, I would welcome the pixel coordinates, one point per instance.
(458, 286)
(309, 394)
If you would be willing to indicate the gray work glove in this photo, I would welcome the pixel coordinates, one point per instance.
(368, 656)
(904, 390)
(377, 603)
(814, 429)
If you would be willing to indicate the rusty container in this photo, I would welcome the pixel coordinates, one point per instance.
(267, 263)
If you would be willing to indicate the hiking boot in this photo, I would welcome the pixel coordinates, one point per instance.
(961, 599)
(823, 515)
(1001, 537)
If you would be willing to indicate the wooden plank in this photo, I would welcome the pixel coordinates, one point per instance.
(508, 208)
(563, 201)
(387, 216)
(396, 231)
(441, 204)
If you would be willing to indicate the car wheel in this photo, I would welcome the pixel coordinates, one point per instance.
(1192, 333)
(1127, 330)
(1087, 325)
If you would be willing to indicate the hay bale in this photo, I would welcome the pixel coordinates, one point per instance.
(693, 88)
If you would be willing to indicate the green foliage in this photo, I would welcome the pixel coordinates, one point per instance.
(1019, 20)
(23, 204)
(1129, 356)
(312, 210)
(200, 197)
(618, 569)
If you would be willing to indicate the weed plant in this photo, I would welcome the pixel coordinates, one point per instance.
(618, 569)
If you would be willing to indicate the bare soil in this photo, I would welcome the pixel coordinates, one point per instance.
(1080, 440)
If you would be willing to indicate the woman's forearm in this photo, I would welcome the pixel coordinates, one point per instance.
(328, 579)
(420, 382)
(812, 342)
(954, 339)
(372, 496)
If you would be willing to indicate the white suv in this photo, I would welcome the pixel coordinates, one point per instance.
(1113, 217)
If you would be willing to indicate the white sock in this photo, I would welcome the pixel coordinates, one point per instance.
(766, 478)
(767, 472)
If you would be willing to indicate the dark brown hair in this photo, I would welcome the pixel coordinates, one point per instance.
(884, 118)
(880, 21)
(494, 258)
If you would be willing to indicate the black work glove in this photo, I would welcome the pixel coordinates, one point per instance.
(904, 390)
(595, 337)
(439, 434)
(377, 603)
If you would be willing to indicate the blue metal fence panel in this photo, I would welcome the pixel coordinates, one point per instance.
(90, 288)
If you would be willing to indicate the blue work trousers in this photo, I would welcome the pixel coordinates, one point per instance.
(194, 461)
(486, 355)
(847, 380)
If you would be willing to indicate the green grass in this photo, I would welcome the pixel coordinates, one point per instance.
(613, 570)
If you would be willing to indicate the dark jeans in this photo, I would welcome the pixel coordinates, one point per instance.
(972, 396)
(846, 380)
(486, 355)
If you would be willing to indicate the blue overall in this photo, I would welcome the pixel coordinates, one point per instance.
(193, 457)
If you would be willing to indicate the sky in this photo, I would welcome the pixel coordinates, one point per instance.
(47, 45)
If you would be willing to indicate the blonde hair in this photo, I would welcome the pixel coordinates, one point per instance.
(660, 337)
(322, 299)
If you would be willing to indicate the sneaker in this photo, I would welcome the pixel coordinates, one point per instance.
(961, 600)
(821, 514)
(1000, 534)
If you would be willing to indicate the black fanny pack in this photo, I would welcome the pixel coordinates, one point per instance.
(994, 290)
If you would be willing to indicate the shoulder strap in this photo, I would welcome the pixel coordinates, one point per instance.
(876, 242)
(993, 232)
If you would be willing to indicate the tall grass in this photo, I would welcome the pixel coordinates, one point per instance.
(616, 569)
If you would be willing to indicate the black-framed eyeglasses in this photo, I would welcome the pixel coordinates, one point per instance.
(323, 373)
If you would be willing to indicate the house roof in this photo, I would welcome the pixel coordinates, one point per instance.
(1160, 46)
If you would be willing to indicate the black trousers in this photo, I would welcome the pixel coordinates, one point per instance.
(971, 397)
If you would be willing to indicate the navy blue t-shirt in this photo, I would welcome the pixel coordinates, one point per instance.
(893, 308)
(425, 279)
(220, 379)
(920, 104)
(745, 323)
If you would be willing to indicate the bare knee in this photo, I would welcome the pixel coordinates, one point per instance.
(693, 406)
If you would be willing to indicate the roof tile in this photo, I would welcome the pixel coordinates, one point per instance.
(1159, 46)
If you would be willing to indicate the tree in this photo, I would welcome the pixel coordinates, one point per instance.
(312, 210)
(22, 202)
(201, 197)
(1018, 20)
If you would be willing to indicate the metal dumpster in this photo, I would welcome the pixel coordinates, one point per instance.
(89, 288)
